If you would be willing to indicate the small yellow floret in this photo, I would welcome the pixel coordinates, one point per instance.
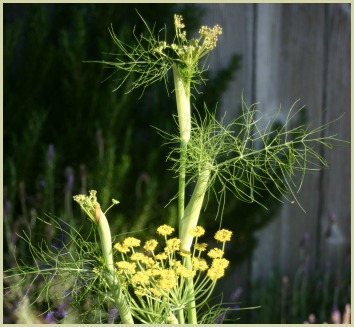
(200, 246)
(131, 242)
(197, 231)
(220, 263)
(165, 230)
(139, 257)
(185, 272)
(121, 248)
(223, 235)
(139, 291)
(140, 278)
(172, 244)
(150, 245)
(127, 267)
(199, 264)
(215, 253)
(161, 256)
(215, 273)
(185, 253)
(155, 291)
(168, 279)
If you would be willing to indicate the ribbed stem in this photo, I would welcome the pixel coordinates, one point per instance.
(180, 316)
(182, 90)
(182, 181)
(192, 211)
(191, 307)
(106, 246)
(189, 221)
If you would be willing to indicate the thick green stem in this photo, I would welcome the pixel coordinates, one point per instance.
(191, 307)
(106, 246)
(192, 212)
(182, 181)
(182, 90)
(189, 221)
(180, 317)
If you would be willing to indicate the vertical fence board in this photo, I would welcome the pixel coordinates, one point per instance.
(237, 23)
(336, 181)
(289, 61)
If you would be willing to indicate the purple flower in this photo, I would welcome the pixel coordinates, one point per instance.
(53, 316)
(113, 314)
(50, 317)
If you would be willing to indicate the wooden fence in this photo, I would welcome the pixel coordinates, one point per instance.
(291, 52)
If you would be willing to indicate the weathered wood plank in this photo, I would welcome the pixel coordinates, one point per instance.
(237, 22)
(336, 180)
(290, 63)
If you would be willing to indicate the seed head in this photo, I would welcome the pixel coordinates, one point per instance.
(178, 22)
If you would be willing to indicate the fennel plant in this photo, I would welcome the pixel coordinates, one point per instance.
(171, 286)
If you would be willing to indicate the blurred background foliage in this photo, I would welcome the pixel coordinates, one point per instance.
(66, 132)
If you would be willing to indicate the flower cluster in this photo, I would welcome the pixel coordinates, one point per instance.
(158, 270)
(190, 51)
(87, 203)
(210, 36)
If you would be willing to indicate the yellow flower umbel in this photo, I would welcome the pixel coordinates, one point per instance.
(159, 281)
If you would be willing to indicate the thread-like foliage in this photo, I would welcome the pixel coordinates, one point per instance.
(252, 154)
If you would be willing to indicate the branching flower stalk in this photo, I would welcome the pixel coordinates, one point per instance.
(189, 53)
(93, 210)
(152, 63)
(160, 280)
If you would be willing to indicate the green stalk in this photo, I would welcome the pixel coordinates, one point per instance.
(189, 221)
(180, 316)
(182, 181)
(192, 212)
(188, 218)
(182, 90)
(191, 306)
(106, 246)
